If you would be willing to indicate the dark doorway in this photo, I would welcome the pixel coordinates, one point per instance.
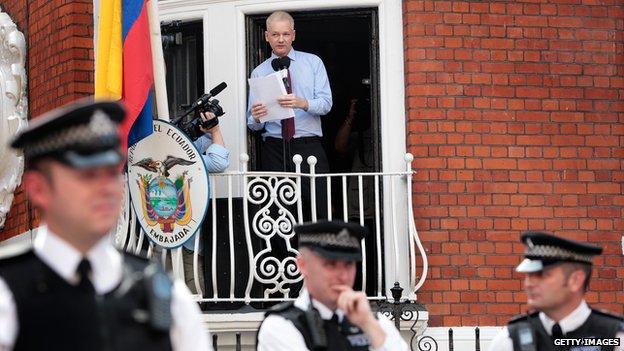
(346, 41)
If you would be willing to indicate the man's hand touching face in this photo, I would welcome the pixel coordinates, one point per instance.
(358, 311)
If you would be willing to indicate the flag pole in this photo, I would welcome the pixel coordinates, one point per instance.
(158, 61)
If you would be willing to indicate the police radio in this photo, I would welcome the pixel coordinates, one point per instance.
(318, 338)
(522, 336)
(159, 292)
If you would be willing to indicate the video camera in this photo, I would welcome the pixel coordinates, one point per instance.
(203, 104)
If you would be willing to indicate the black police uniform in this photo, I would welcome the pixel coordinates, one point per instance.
(321, 334)
(527, 332)
(333, 240)
(54, 314)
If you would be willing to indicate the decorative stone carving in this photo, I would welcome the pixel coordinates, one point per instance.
(13, 108)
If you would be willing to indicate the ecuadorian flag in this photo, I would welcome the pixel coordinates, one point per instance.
(124, 64)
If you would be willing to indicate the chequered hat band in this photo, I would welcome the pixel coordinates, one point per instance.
(341, 239)
(556, 253)
(100, 128)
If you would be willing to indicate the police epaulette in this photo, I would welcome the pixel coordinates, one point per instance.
(280, 307)
(15, 250)
(522, 317)
(610, 314)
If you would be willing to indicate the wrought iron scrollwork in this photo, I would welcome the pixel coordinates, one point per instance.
(274, 194)
(399, 310)
(426, 343)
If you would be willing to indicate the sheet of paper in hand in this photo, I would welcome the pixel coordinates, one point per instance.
(266, 90)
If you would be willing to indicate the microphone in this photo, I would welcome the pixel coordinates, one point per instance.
(201, 101)
(279, 64)
(204, 98)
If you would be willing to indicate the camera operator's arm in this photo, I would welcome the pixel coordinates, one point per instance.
(211, 143)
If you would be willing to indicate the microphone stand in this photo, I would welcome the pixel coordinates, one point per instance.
(286, 144)
(279, 64)
(284, 153)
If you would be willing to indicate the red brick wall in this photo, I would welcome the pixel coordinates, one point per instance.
(516, 122)
(59, 37)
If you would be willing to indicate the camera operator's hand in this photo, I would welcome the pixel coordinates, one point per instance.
(292, 101)
(207, 116)
(215, 132)
(258, 110)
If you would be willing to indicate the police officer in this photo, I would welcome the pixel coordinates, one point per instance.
(557, 275)
(72, 290)
(328, 314)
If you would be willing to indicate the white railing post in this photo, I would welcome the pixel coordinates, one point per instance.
(231, 237)
(297, 159)
(150, 250)
(328, 197)
(130, 245)
(378, 237)
(198, 288)
(361, 213)
(137, 250)
(213, 210)
(395, 236)
(345, 202)
(414, 232)
(244, 160)
(312, 162)
(120, 235)
(177, 264)
(277, 193)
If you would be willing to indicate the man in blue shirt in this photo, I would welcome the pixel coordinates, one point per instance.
(310, 98)
(216, 157)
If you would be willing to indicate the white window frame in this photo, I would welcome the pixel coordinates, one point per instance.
(225, 61)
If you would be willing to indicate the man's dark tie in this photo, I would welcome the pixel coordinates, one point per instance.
(83, 270)
(557, 333)
(288, 124)
(335, 339)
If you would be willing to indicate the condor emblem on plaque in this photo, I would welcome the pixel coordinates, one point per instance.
(168, 185)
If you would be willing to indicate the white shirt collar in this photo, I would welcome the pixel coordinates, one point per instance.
(62, 258)
(325, 312)
(570, 322)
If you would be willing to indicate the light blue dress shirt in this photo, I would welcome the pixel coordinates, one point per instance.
(309, 80)
(215, 156)
(217, 160)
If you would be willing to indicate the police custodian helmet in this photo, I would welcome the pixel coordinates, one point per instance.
(543, 249)
(81, 134)
(334, 240)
